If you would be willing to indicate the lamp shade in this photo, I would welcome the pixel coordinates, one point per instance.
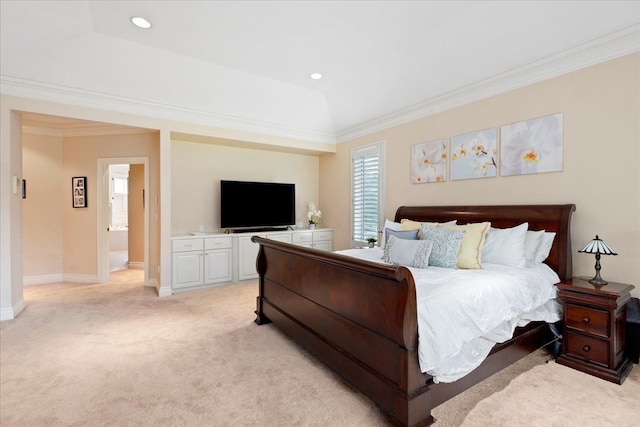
(597, 246)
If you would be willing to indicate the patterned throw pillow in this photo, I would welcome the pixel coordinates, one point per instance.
(412, 253)
(407, 224)
(446, 244)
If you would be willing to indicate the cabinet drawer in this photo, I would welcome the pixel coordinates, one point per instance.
(280, 237)
(589, 320)
(217, 243)
(322, 236)
(303, 237)
(588, 348)
(183, 245)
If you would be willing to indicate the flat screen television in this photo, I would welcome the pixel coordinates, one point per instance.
(257, 204)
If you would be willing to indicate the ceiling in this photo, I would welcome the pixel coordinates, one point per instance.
(246, 64)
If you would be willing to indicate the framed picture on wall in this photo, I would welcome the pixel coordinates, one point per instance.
(79, 191)
(532, 146)
(429, 162)
(473, 155)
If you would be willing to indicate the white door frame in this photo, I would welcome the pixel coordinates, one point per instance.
(103, 212)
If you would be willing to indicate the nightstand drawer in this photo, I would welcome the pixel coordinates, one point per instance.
(588, 320)
(588, 348)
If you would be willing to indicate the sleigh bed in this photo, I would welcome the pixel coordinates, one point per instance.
(360, 318)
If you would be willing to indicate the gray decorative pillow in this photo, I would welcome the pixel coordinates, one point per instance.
(412, 253)
(446, 244)
(407, 235)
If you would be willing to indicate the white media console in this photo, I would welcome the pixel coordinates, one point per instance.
(215, 259)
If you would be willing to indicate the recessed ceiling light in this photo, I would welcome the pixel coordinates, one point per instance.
(315, 76)
(139, 21)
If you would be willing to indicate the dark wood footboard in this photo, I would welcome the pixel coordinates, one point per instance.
(360, 317)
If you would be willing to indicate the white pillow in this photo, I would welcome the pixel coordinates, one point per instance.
(505, 246)
(531, 245)
(412, 253)
(545, 246)
(395, 226)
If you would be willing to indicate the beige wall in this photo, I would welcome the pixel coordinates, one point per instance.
(80, 156)
(136, 214)
(58, 240)
(197, 168)
(601, 108)
(601, 128)
(42, 209)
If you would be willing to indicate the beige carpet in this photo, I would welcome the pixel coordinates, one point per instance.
(115, 354)
(555, 395)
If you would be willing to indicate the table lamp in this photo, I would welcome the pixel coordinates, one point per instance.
(598, 247)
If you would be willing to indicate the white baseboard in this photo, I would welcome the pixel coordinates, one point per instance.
(42, 280)
(136, 265)
(163, 291)
(80, 278)
(12, 312)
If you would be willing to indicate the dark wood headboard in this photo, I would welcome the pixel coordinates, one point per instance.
(555, 218)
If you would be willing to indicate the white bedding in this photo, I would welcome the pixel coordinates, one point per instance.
(462, 314)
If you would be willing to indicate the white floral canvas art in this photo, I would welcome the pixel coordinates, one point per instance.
(531, 146)
(473, 155)
(429, 162)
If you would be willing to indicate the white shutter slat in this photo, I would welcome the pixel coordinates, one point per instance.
(366, 187)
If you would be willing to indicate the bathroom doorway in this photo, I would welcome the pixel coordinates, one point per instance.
(123, 222)
(118, 217)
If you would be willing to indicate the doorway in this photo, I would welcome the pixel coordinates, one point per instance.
(119, 236)
(123, 215)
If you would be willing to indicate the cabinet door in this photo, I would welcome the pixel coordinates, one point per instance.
(187, 269)
(325, 246)
(217, 266)
(247, 254)
(323, 239)
(303, 238)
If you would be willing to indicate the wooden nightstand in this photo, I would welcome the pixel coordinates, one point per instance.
(593, 328)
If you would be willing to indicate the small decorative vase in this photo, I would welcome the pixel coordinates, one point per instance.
(371, 244)
(312, 226)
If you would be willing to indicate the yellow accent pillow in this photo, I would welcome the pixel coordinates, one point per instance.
(472, 242)
(407, 224)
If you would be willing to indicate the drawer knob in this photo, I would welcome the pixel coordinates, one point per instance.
(585, 320)
(586, 348)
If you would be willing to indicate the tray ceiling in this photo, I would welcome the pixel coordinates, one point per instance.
(247, 64)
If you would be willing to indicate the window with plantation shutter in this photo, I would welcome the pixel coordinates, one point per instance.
(366, 192)
(119, 203)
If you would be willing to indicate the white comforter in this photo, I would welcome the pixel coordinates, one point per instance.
(462, 314)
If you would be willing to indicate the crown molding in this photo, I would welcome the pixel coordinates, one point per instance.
(33, 89)
(605, 48)
(64, 131)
